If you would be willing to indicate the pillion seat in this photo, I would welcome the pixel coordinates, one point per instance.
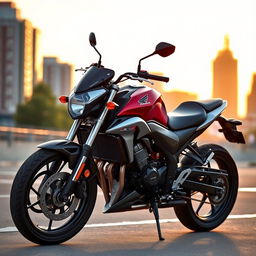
(191, 113)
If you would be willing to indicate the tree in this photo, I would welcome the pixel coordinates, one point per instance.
(62, 118)
(42, 110)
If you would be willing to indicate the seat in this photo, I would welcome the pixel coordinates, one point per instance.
(210, 104)
(187, 114)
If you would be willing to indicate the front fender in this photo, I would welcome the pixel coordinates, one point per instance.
(69, 148)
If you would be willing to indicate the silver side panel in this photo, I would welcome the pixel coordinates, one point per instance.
(129, 125)
(211, 116)
(126, 130)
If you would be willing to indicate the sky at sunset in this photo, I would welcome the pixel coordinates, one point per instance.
(128, 30)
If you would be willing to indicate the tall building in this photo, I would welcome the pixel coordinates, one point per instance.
(18, 58)
(58, 75)
(37, 57)
(251, 100)
(250, 121)
(225, 79)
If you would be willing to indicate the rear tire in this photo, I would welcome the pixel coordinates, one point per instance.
(29, 216)
(187, 214)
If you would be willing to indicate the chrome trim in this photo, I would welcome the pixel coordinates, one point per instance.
(138, 78)
(209, 158)
(94, 132)
(211, 116)
(102, 180)
(138, 206)
(72, 132)
(99, 122)
(181, 178)
(109, 175)
(117, 187)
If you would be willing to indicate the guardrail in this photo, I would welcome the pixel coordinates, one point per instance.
(10, 134)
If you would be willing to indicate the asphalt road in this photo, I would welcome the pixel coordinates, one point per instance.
(134, 233)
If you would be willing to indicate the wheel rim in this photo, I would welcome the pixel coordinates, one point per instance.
(207, 207)
(49, 216)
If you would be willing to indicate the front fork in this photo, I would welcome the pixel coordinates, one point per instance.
(86, 149)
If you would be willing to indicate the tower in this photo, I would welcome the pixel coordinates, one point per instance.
(251, 100)
(18, 55)
(225, 79)
(58, 75)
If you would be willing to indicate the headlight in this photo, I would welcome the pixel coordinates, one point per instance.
(78, 102)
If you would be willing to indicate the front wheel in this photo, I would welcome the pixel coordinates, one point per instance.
(204, 212)
(35, 207)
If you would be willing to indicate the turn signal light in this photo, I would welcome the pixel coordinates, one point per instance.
(87, 173)
(111, 105)
(63, 99)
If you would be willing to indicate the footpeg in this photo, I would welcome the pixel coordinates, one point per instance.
(154, 209)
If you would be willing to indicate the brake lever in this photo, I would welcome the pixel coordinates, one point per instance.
(146, 80)
(140, 79)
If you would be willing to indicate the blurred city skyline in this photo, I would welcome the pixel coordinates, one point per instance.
(187, 68)
(127, 31)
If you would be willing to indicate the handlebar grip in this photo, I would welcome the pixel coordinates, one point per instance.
(146, 75)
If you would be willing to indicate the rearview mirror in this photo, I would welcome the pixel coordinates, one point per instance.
(92, 39)
(164, 49)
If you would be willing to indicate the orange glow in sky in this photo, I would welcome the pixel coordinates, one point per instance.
(128, 30)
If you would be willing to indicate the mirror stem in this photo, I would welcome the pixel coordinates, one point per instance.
(139, 65)
(99, 62)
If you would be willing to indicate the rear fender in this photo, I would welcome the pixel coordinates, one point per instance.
(229, 129)
(69, 148)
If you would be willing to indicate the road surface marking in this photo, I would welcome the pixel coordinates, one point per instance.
(247, 189)
(100, 193)
(6, 181)
(8, 173)
(8, 196)
(4, 196)
(131, 223)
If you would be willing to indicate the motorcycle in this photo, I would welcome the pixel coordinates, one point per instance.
(123, 141)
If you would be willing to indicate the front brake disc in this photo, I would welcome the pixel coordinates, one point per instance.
(51, 206)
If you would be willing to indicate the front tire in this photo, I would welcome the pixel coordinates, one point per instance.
(192, 215)
(34, 207)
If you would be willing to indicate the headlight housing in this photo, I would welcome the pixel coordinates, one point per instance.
(80, 104)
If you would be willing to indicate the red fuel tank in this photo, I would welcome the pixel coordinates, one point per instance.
(147, 104)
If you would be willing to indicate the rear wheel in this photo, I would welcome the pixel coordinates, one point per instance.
(35, 206)
(204, 212)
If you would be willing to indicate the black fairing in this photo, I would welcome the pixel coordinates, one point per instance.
(94, 77)
(115, 150)
(69, 148)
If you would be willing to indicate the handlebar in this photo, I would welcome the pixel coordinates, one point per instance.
(142, 76)
(146, 75)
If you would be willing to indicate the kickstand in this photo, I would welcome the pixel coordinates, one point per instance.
(154, 208)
